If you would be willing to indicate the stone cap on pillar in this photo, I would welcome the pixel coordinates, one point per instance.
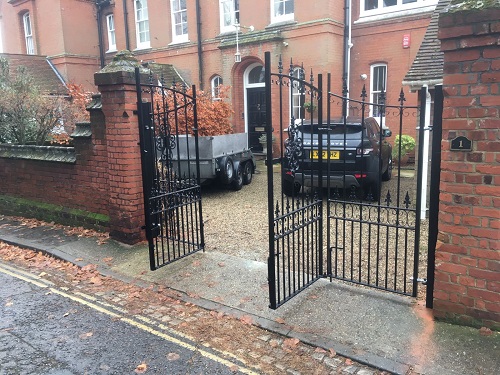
(121, 70)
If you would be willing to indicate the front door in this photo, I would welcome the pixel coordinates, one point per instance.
(256, 112)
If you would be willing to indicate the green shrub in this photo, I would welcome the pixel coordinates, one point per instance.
(407, 145)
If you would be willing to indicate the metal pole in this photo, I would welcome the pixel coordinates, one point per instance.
(422, 98)
(271, 266)
(437, 135)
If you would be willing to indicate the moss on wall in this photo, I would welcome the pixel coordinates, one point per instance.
(14, 206)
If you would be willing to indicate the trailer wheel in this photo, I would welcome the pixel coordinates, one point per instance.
(226, 170)
(247, 172)
(237, 183)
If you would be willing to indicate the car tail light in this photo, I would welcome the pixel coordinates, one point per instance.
(363, 151)
(359, 175)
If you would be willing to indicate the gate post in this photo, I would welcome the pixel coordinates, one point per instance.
(116, 83)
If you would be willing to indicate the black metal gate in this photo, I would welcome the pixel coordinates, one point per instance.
(343, 205)
(168, 129)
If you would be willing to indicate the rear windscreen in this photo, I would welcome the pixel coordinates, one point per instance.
(333, 129)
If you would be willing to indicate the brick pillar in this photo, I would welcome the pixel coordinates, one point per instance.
(467, 284)
(116, 84)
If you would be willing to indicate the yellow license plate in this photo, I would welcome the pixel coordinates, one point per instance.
(332, 155)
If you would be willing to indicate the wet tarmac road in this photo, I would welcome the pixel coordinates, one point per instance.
(45, 329)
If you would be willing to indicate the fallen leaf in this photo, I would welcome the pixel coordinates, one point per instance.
(9, 303)
(29, 255)
(274, 343)
(78, 259)
(280, 320)
(247, 319)
(291, 342)
(484, 331)
(333, 353)
(65, 314)
(320, 350)
(107, 260)
(141, 369)
(173, 356)
(96, 280)
(221, 264)
(234, 368)
(348, 362)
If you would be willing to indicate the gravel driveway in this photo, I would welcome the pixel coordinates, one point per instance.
(236, 221)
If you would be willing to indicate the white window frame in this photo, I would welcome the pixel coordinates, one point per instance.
(399, 9)
(375, 91)
(229, 15)
(278, 17)
(297, 108)
(28, 34)
(141, 18)
(184, 37)
(110, 22)
(215, 82)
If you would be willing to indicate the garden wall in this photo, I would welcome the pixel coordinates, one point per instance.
(467, 277)
(59, 183)
(99, 181)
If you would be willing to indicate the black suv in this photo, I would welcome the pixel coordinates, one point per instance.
(358, 155)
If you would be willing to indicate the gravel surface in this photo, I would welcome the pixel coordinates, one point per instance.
(236, 224)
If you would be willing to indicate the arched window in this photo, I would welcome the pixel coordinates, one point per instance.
(256, 75)
(215, 83)
(28, 34)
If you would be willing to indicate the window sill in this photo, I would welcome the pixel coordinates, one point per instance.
(178, 42)
(394, 14)
(138, 48)
(111, 50)
(281, 24)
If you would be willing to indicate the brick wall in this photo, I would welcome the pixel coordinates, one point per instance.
(467, 278)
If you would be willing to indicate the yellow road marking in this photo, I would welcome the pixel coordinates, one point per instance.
(132, 322)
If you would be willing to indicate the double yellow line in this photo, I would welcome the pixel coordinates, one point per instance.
(42, 283)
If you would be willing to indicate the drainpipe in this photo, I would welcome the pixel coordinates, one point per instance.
(347, 43)
(125, 20)
(200, 50)
(99, 6)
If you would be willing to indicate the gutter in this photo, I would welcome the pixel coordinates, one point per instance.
(417, 85)
(54, 69)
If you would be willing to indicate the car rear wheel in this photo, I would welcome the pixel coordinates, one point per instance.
(291, 188)
(387, 175)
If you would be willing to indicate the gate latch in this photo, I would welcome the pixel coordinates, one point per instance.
(420, 280)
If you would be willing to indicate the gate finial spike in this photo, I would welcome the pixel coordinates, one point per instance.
(280, 65)
(402, 98)
(277, 211)
(363, 93)
(388, 199)
(407, 200)
(311, 78)
(291, 67)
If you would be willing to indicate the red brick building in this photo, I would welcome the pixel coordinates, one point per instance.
(371, 42)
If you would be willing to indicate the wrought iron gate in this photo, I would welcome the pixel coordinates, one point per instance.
(168, 130)
(343, 207)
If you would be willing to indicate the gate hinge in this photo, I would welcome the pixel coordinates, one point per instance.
(420, 280)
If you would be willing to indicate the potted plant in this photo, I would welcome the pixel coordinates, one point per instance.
(310, 107)
(263, 141)
(407, 144)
